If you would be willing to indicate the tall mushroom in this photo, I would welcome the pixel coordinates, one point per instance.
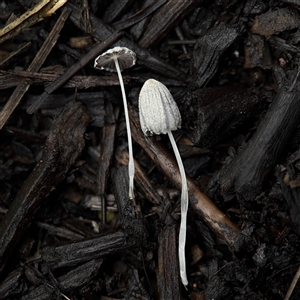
(159, 114)
(116, 60)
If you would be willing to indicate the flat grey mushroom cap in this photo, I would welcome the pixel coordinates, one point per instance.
(158, 110)
(105, 61)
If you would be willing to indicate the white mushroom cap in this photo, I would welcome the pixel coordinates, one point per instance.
(126, 59)
(158, 110)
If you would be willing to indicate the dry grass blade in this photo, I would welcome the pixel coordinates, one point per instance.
(42, 10)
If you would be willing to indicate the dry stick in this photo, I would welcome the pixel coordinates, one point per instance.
(12, 79)
(104, 163)
(203, 206)
(74, 69)
(13, 55)
(36, 64)
(292, 286)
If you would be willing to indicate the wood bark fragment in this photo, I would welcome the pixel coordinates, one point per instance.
(215, 113)
(168, 16)
(60, 231)
(139, 16)
(137, 30)
(167, 275)
(64, 143)
(208, 51)
(74, 279)
(72, 254)
(130, 213)
(257, 53)
(115, 8)
(203, 206)
(12, 284)
(246, 173)
(12, 79)
(107, 147)
(36, 64)
(276, 21)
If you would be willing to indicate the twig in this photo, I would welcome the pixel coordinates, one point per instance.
(107, 146)
(36, 64)
(293, 284)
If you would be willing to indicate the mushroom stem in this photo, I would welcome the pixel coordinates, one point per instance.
(130, 162)
(184, 208)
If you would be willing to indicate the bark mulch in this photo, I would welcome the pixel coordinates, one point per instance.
(67, 227)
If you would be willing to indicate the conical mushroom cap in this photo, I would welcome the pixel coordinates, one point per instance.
(158, 111)
(105, 61)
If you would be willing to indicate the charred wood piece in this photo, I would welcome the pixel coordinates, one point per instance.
(168, 283)
(107, 146)
(247, 172)
(275, 21)
(140, 16)
(257, 53)
(69, 282)
(208, 51)
(165, 19)
(214, 113)
(130, 215)
(72, 254)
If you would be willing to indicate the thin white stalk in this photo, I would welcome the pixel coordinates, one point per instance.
(184, 208)
(130, 162)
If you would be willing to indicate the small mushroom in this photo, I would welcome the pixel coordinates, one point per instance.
(116, 60)
(159, 114)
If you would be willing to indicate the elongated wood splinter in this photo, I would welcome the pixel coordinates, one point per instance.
(116, 60)
(159, 114)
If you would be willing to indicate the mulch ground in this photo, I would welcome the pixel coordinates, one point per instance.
(68, 229)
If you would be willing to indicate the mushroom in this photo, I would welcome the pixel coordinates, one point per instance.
(159, 114)
(116, 60)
